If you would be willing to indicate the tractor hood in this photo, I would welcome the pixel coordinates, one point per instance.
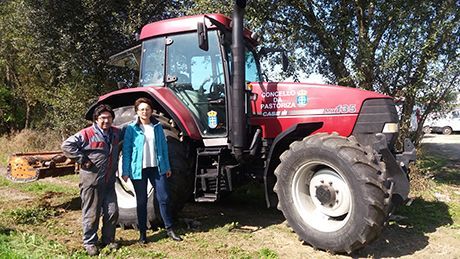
(285, 99)
(278, 106)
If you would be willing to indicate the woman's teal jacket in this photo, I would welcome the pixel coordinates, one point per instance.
(133, 147)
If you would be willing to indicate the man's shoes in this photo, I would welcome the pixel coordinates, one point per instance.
(92, 250)
(173, 235)
(142, 238)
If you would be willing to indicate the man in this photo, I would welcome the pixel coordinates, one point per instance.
(96, 150)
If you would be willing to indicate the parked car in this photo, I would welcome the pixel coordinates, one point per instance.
(445, 124)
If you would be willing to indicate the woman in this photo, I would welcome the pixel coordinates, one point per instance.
(145, 157)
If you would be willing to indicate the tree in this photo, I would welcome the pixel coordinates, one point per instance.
(392, 47)
(17, 64)
(54, 53)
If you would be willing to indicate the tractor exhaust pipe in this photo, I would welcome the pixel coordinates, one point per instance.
(239, 132)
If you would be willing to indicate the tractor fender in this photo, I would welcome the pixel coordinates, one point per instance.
(164, 101)
(279, 145)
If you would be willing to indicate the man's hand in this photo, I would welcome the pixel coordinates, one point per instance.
(125, 178)
(168, 173)
(87, 165)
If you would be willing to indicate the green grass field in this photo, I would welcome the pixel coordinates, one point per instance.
(42, 220)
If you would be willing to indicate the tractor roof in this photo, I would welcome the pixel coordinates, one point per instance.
(186, 24)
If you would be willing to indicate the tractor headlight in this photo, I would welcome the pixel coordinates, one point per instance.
(390, 128)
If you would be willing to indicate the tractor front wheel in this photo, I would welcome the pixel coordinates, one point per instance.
(330, 190)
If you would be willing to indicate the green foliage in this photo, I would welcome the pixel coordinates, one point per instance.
(53, 54)
(238, 252)
(230, 226)
(24, 245)
(408, 49)
(454, 210)
(42, 188)
(431, 163)
(32, 215)
(266, 253)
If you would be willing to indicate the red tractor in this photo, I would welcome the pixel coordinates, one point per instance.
(324, 153)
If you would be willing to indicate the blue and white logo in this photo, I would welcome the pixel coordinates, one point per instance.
(302, 98)
(212, 119)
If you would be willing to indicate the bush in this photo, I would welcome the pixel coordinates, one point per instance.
(32, 215)
(28, 141)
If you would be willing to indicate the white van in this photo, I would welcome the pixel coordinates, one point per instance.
(445, 124)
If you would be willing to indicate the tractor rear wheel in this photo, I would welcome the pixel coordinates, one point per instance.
(180, 182)
(330, 190)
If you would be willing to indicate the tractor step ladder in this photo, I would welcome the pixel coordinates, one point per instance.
(210, 177)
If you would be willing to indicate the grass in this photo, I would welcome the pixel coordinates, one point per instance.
(33, 228)
(435, 203)
(267, 254)
(40, 188)
(32, 215)
(15, 244)
(425, 216)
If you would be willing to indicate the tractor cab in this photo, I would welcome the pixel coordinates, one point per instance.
(199, 77)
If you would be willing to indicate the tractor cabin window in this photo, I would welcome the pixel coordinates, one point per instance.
(152, 73)
(125, 67)
(197, 78)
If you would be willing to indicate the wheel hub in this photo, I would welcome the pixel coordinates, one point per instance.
(329, 193)
(326, 195)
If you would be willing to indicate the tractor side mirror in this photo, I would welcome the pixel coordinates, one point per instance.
(202, 32)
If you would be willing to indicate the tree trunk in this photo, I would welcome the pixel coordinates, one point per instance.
(27, 120)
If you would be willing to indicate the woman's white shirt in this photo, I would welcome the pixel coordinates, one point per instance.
(149, 155)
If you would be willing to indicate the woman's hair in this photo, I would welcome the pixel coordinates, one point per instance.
(102, 108)
(142, 100)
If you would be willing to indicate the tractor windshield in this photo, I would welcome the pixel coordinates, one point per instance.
(196, 76)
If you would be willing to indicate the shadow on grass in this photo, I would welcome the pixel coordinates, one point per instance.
(73, 204)
(401, 238)
(450, 174)
(408, 235)
(5, 231)
(245, 210)
(441, 161)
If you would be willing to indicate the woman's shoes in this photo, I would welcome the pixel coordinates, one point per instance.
(172, 235)
(169, 232)
(142, 238)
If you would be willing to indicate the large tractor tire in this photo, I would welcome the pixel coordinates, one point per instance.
(330, 190)
(180, 183)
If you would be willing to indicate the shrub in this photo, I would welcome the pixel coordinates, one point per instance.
(28, 141)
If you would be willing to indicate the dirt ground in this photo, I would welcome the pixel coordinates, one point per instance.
(237, 227)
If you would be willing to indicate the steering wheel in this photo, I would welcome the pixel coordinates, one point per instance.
(216, 91)
(213, 79)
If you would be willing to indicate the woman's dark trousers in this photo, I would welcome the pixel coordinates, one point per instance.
(159, 182)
